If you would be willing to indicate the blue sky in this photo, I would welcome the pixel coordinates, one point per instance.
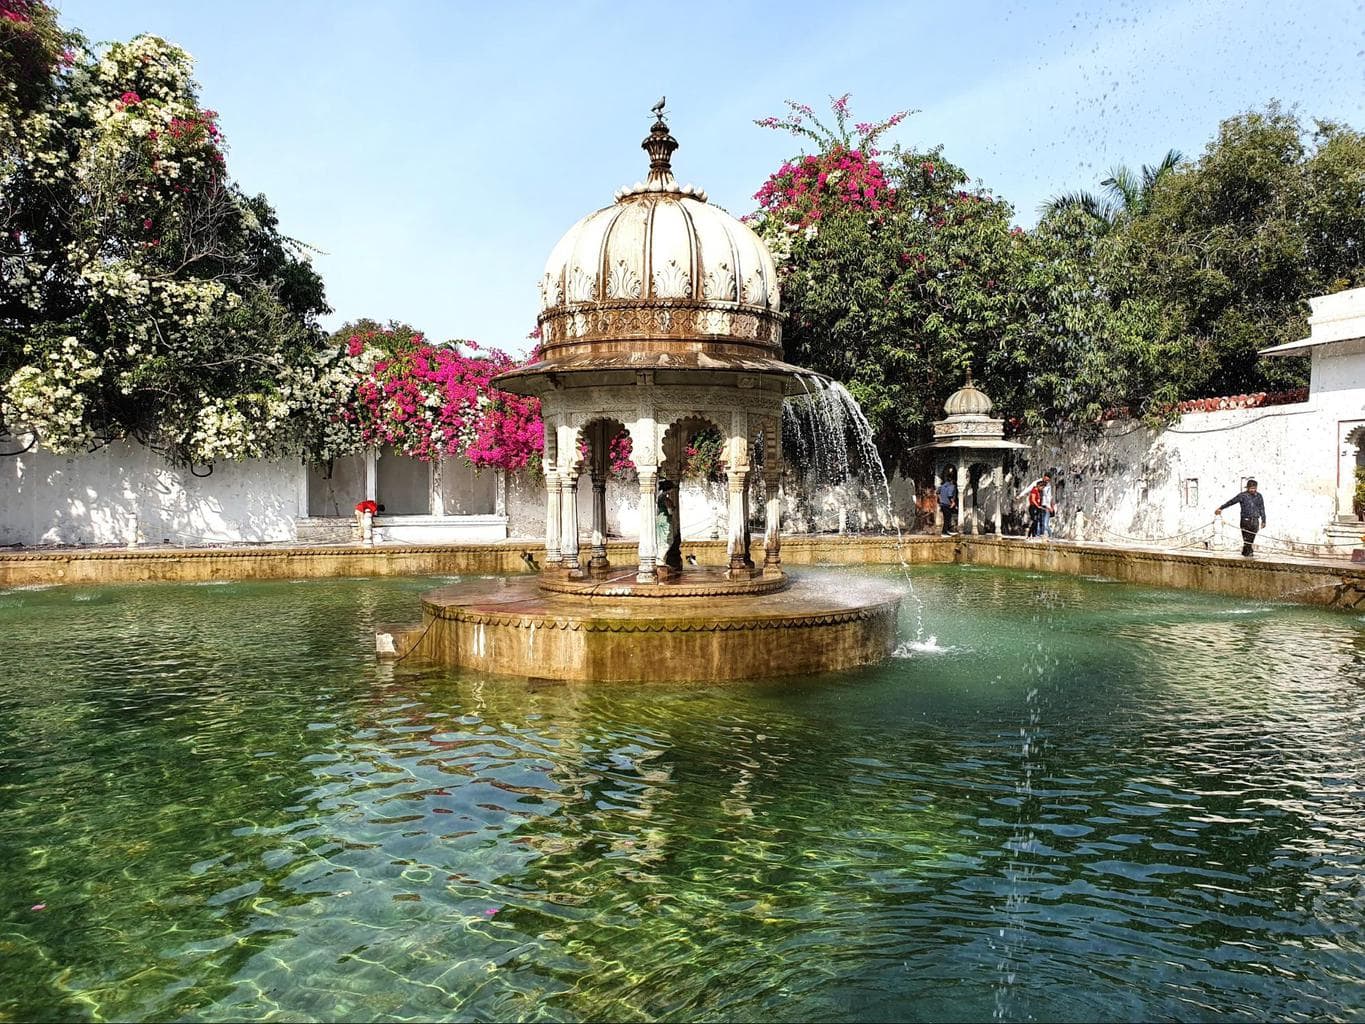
(435, 151)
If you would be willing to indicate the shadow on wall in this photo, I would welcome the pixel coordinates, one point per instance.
(126, 494)
(1112, 479)
(1148, 519)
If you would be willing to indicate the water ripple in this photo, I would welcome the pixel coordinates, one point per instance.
(1077, 800)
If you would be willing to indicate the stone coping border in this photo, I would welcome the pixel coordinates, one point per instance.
(1332, 583)
(658, 623)
(690, 583)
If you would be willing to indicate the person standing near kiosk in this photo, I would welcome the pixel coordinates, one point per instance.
(947, 501)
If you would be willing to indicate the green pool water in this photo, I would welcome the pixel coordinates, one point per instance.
(1078, 800)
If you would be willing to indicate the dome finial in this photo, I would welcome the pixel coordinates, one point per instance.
(970, 383)
(660, 146)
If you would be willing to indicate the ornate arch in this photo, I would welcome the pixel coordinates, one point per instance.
(677, 434)
(596, 435)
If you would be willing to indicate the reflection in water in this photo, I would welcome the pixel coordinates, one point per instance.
(1089, 801)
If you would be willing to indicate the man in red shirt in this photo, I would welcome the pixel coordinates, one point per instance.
(1037, 511)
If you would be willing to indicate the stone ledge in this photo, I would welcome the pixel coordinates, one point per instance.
(1334, 583)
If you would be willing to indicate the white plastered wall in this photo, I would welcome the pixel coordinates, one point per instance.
(127, 494)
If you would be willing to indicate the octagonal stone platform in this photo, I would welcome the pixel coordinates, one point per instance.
(822, 621)
(694, 581)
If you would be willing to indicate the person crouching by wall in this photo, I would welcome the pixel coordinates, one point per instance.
(1252, 515)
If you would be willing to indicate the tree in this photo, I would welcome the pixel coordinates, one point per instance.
(144, 295)
(896, 299)
(1233, 245)
(1129, 193)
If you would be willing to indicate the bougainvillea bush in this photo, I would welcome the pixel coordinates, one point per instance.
(435, 401)
(843, 174)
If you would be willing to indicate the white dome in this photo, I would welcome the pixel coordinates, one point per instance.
(659, 281)
(660, 245)
(660, 242)
(968, 401)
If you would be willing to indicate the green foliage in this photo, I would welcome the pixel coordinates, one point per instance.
(702, 455)
(897, 303)
(143, 294)
(1232, 246)
(1127, 194)
(1163, 288)
(1358, 501)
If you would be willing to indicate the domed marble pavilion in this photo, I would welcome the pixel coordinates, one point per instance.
(660, 317)
(976, 440)
(660, 314)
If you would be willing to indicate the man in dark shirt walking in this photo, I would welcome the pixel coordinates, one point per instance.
(947, 502)
(1253, 515)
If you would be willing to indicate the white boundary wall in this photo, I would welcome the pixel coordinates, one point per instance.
(1135, 484)
(127, 494)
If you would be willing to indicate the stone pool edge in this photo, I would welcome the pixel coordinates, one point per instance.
(1324, 582)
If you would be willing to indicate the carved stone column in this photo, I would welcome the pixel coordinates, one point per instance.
(649, 496)
(938, 510)
(568, 527)
(553, 557)
(998, 478)
(738, 481)
(772, 534)
(962, 477)
(599, 522)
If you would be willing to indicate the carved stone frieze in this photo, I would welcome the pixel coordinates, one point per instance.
(663, 320)
(950, 428)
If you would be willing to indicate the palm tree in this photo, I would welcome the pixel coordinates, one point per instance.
(1129, 193)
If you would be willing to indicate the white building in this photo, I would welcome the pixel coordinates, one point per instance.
(1135, 484)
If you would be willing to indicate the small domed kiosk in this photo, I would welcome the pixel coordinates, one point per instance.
(976, 441)
(660, 317)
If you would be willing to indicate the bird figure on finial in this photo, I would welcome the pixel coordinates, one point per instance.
(658, 109)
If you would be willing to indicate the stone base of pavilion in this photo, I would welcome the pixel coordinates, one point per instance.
(820, 622)
(692, 581)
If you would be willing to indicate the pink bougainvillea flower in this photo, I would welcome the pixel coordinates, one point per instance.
(38, 906)
(130, 98)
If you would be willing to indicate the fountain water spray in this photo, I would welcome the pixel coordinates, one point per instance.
(823, 421)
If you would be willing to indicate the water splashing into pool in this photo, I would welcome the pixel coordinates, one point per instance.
(828, 423)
